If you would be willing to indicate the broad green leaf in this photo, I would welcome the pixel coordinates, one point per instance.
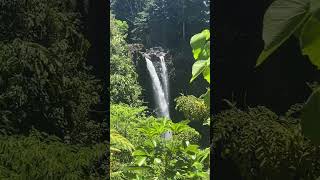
(206, 74)
(206, 32)
(310, 118)
(199, 44)
(140, 152)
(281, 20)
(205, 53)
(197, 68)
(192, 148)
(310, 40)
(141, 160)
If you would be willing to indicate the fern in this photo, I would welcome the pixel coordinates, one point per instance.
(118, 142)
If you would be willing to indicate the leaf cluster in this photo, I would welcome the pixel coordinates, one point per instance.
(39, 156)
(264, 145)
(124, 86)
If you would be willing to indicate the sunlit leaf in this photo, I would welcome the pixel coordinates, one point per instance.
(141, 160)
(197, 68)
(199, 45)
(140, 152)
(206, 72)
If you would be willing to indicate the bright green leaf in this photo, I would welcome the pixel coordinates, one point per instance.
(141, 160)
(200, 46)
(206, 32)
(139, 152)
(197, 68)
(206, 74)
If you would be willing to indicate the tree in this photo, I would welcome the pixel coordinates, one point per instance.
(124, 86)
(45, 83)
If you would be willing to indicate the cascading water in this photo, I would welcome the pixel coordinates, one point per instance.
(159, 94)
(164, 76)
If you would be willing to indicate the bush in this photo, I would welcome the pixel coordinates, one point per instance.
(193, 108)
(140, 130)
(38, 21)
(40, 157)
(49, 89)
(124, 86)
(44, 82)
(264, 145)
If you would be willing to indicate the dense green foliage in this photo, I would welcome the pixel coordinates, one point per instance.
(123, 77)
(162, 22)
(41, 156)
(200, 44)
(138, 149)
(264, 145)
(283, 19)
(46, 85)
(193, 108)
(153, 156)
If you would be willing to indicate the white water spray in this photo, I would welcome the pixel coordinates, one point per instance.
(159, 95)
(164, 76)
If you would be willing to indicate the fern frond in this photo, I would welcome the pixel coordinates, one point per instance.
(119, 142)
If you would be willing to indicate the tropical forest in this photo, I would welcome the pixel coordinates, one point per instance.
(53, 123)
(159, 89)
(121, 90)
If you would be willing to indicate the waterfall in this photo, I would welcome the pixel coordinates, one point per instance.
(159, 94)
(164, 76)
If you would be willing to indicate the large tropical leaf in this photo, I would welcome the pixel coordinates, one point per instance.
(200, 45)
(281, 20)
(310, 40)
(310, 119)
(197, 68)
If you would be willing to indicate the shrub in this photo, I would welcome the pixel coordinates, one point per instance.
(264, 145)
(133, 124)
(124, 86)
(44, 82)
(39, 156)
(193, 108)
